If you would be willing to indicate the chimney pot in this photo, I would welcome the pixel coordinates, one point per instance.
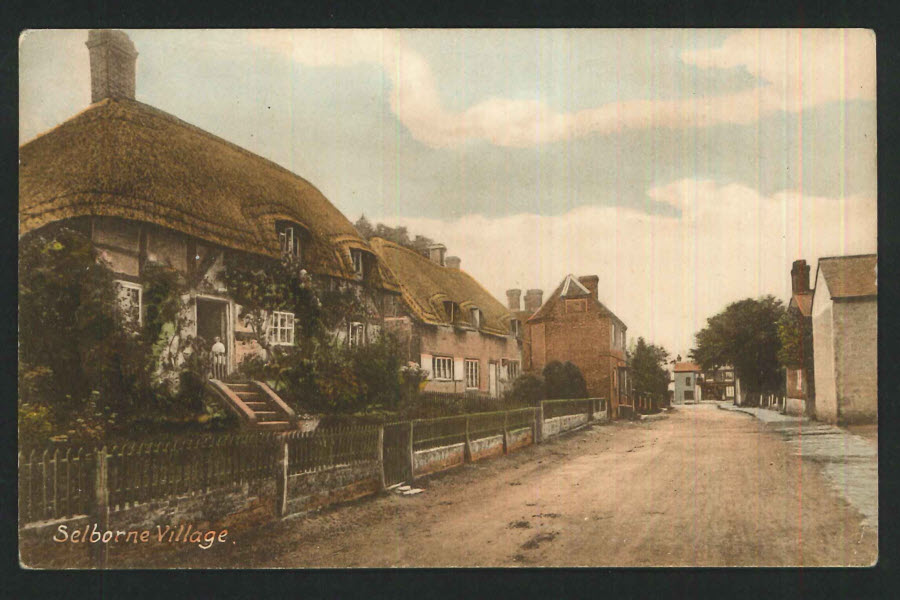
(800, 277)
(113, 58)
(533, 300)
(452, 262)
(514, 299)
(436, 253)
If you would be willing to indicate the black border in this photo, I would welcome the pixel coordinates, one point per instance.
(875, 582)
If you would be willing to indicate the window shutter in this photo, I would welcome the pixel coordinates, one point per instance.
(426, 364)
(459, 371)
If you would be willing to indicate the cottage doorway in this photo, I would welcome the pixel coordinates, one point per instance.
(212, 323)
(492, 379)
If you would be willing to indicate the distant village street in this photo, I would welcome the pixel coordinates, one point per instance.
(677, 491)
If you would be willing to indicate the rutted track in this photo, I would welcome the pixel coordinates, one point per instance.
(703, 487)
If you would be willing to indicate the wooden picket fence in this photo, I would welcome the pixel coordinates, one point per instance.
(561, 408)
(55, 483)
(62, 481)
(318, 450)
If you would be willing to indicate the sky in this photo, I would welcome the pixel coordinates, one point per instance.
(686, 168)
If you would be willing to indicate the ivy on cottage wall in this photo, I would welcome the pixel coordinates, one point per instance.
(85, 368)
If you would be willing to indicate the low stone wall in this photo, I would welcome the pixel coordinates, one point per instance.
(438, 459)
(219, 509)
(486, 447)
(557, 425)
(795, 406)
(309, 491)
(519, 438)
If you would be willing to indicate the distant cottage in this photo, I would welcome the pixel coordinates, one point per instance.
(573, 325)
(450, 325)
(845, 339)
(687, 383)
(150, 188)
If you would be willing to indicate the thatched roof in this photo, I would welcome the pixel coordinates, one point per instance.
(122, 158)
(570, 287)
(850, 276)
(425, 285)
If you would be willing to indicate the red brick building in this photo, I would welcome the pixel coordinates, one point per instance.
(798, 381)
(573, 325)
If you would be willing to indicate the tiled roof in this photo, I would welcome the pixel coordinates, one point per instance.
(569, 287)
(850, 276)
(683, 367)
(425, 285)
(803, 302)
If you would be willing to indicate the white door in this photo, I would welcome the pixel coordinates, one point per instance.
(492, 379)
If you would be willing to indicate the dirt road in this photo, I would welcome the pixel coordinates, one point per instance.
(701, 487)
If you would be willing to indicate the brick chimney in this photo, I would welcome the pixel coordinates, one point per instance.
(800, 277)
(452, 262)
(591, 282)
(113, 59)
(436, 253)
(533, 300)
(514, 299)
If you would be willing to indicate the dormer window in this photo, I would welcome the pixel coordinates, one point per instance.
(451, 309)
(514, 327)
(358, 263)
(476, 317)
(289, 240)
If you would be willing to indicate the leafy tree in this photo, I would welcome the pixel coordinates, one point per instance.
(398, 235)
(647, 367)
(796, 351)
(744, 335)
(564, 380)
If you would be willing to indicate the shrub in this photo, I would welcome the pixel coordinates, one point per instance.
(527, 390)
(377, 367)
(564, 380)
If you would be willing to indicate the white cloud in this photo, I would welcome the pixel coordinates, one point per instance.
(664, 276)
(795, 69)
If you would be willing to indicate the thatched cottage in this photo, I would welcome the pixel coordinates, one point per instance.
(450, 325)
(148, 187)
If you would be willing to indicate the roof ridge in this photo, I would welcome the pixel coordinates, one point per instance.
(839, 256)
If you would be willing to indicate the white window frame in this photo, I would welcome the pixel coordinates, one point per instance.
(514, 327)
(473, 373)
(123, 292)
(281, 328)
(358, 263)
(512, 368)
(476, 317)
(442, 368)
(289, 240)
(355, 334)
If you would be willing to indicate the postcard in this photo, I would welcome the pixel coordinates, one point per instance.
(447, 298)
